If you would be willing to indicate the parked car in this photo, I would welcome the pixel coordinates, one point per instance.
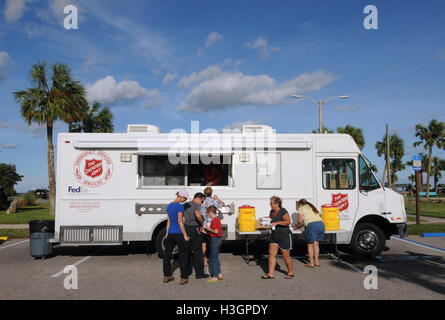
(41, 193)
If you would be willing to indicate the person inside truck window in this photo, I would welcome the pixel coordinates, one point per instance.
(281, 238)
(309, 216)
(212, 174)
(209, 201)
(176, 236)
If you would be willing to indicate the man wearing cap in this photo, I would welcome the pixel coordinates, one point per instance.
(193, 221)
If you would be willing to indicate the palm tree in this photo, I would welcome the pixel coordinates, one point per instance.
(46, 101)
(355, 133)
(325, 130)
(433, 135)
(397, 151)
(96, 120)
(77, 108)
(437, 167)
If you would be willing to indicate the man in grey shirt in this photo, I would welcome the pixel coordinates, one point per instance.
(193, 221)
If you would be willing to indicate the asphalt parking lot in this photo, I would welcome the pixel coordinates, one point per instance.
(406, 270)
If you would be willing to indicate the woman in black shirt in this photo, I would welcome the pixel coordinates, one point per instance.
(281, 238)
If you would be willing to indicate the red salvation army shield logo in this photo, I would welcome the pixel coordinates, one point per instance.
(93, 168)
(340, 201)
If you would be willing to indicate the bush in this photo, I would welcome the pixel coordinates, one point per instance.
(21, 203)
(30, 198)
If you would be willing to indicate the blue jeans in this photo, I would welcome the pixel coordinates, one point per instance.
(215, 268)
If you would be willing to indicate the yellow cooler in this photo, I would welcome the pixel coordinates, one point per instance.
(246, 219)
(331, 217)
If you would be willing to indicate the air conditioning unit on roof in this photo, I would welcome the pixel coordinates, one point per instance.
(143, 128)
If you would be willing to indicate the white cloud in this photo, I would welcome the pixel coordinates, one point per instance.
(216, 89)
(15, 9)
(212, 38)
(107, 90)
(169, 77)
(262, 47)
(10, 146)
(206, 74)
(4, 59)
(347, 108)
(155, 99)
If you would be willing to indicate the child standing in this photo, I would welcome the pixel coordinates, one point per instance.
(215, 231)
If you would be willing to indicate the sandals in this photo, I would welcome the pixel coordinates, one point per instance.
(266, 276)
(289, 276)
(309, 266)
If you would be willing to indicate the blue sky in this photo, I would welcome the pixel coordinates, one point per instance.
(229, 62)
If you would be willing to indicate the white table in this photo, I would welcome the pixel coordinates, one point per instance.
(262, 233)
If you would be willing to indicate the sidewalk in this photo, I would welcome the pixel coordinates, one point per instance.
(14, 226)
(429, 220)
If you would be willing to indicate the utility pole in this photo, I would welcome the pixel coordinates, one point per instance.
(417, 165)
(388, 150)
(320, 108)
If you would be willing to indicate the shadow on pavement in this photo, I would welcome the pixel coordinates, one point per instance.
(424, 270)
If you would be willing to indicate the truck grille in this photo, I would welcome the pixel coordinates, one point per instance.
(91, 235)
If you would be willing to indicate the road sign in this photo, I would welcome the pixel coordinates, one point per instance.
(417, 162)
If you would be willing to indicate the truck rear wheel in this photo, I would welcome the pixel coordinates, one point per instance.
(160, 246)
(367, 240)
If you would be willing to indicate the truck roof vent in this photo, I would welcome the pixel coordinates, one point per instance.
(255, 128)
(142, 128)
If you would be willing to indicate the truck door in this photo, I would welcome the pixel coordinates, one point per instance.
(337, 185)
(372, 195)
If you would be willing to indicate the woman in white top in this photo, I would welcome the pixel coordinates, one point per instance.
(309, 216)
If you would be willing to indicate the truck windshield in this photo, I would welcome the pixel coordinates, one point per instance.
(367, 180)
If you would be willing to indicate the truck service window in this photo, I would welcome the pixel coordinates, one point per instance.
(338, 174)
(213, 174)
(367, 180)
(156, 170)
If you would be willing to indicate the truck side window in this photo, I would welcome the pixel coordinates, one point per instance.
(367, 180)
(158, 171)
(338, 174)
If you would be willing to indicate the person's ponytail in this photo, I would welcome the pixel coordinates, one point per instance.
(304, 202)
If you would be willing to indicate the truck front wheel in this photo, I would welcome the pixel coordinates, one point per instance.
(367, 240)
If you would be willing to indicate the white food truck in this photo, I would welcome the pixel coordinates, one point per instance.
(113, 188)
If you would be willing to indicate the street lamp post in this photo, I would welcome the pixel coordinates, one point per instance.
(320, 106)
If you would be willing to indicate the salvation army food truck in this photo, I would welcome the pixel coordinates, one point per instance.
(114, 187)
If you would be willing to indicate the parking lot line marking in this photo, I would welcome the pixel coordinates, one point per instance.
(419, 244)
(74, 264)
(13, 244)
(348, 264)
(77, 263)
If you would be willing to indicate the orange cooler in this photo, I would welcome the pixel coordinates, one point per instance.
(246, 219)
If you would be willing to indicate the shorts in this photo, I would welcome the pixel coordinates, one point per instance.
(314, 232)
(283, 238)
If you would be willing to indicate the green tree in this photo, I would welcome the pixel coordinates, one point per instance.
(47, 100)
(397, 151)
(77, 106)
(355, 133)
(430, 136)
(325, 130)
(437, 166)
(8, 179)
(96, 120)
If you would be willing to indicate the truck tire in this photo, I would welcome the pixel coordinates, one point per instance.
(160, 247)
(368, 240)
